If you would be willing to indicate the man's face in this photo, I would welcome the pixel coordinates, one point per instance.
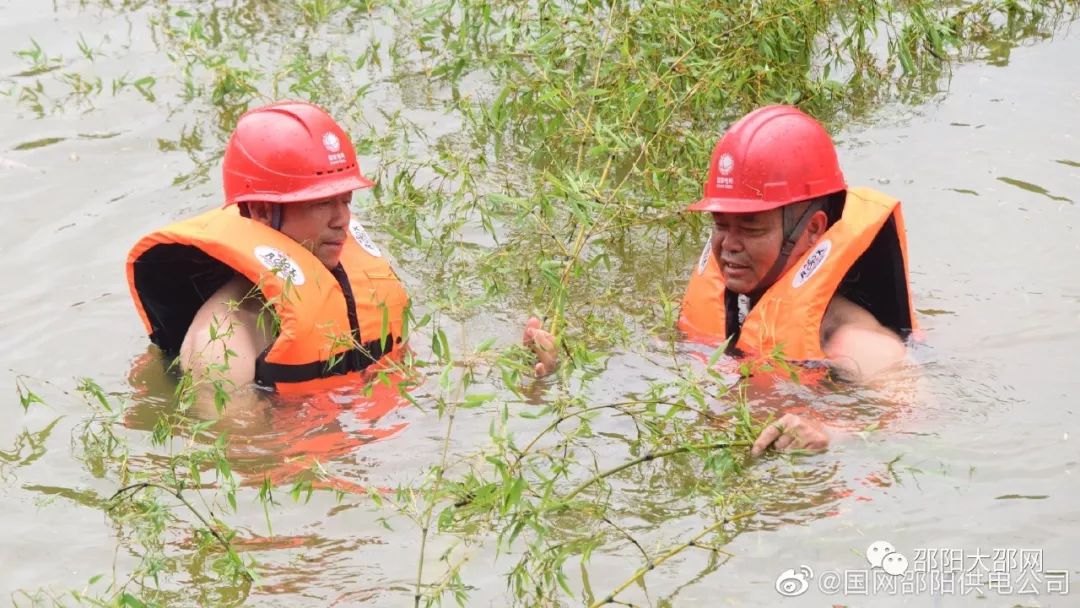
(320, 226)
(746, 245)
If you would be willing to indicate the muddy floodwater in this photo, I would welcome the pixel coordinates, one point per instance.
(982, 455)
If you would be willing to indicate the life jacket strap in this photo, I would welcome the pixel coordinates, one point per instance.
(355, 360)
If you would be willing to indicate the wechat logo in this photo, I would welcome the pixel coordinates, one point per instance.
(881, 554)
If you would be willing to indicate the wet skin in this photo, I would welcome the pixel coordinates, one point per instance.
(320, 226)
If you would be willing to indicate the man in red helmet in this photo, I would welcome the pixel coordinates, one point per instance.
(281, 285)
(798, 263)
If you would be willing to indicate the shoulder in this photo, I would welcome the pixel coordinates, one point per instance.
(227, 329)
(841, 313)
(236, 299)
(853, 338)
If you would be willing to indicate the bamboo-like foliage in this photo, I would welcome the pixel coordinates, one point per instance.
(579, 130)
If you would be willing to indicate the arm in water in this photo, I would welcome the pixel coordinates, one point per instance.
(859, 348)
(226, 336)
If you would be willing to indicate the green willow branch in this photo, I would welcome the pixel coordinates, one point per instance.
(439, 476)
(426, 526)
(619, 406)
(601, 56)
(448, 577)
(225, 544)
(649, 457)
(628, 536)
(670, 553)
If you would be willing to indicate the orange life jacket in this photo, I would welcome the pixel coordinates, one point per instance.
(331, 322)
(863, 255)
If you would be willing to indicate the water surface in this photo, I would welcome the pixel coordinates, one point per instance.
(978, 450)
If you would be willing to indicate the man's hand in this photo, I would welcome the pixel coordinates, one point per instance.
(542, 343)
(792, 432)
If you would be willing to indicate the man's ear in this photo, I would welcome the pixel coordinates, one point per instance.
(260, 212)
(818, 224)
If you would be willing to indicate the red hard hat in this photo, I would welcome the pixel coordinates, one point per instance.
(773, 156)
(289, 152)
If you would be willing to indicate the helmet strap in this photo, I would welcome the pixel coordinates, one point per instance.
(276, 211)
(793, 229)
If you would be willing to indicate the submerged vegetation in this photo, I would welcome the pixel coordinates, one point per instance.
(568, 137)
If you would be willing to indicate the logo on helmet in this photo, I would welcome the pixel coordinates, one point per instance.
(813, 262)
(331, 142)
(280, 264)
(725, 164)
(333, 146)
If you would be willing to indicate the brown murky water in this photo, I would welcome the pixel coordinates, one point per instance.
(983, 456)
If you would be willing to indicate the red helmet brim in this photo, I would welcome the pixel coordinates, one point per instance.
(733, 205)
(316, 191)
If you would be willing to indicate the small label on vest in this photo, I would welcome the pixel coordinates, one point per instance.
(362, 237)
(813, 262)
(703, 261)
(282, 265)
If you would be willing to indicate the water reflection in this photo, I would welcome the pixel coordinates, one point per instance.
(280, 438)
(987, 416)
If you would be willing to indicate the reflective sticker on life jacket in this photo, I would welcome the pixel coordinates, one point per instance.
(703, 261)
(813, 263)
(280, 263)
(362, 237)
